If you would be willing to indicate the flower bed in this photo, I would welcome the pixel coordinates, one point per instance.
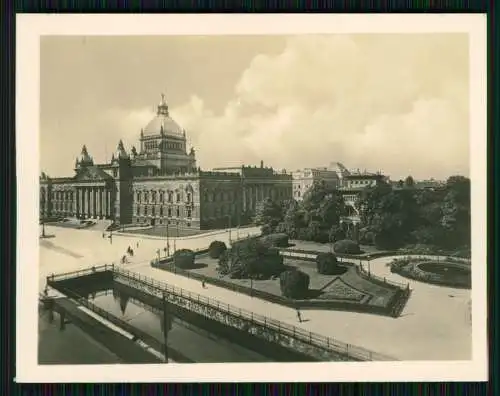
(450, 272)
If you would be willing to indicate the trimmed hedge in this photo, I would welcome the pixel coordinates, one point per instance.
(275, 240)
(184, 258)
(326, 263)
(216, 248)
(294, 284)
(346, 246)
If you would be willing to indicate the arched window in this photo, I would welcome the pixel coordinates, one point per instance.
(153, 211)
(161, 210)
(139, 196)
(146, 196)
(178, 212)
(161, 196)
(153, 196)
(170, 196)
(188, 197)
(178, 197)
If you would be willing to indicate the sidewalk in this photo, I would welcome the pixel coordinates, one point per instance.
(441, 333)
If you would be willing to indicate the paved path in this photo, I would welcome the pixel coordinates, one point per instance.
(434, 324)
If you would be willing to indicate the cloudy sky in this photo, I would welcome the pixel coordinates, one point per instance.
(396, 103)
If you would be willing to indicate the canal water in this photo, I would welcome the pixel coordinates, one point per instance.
(73, 346)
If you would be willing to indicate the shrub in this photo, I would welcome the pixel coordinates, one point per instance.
(184, 258)
(346, 246)
(275, 240)
(294, 284)
(216, 248)
(321, 237)
(326, 263)
(266, 229)
(224, 262)
(252, 258)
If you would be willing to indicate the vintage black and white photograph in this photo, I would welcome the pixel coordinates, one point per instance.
(255, 198)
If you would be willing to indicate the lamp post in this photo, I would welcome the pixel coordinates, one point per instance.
(165, 328)
(229, 224)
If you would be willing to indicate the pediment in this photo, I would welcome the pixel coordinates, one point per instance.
(91, 174)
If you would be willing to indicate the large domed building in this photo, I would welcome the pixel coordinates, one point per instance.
(160, 184)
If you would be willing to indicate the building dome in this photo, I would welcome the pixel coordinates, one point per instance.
(162, 123)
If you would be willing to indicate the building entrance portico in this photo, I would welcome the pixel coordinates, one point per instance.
(92, 201)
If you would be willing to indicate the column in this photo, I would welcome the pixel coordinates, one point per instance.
(82, 200)
(75, 203)
(98, 204)
(88, 201)
(108, 200)
(80, 206)
(105, 203)
(92, 201)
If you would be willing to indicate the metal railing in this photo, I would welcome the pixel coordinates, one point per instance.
(319, 341)
(81, 272)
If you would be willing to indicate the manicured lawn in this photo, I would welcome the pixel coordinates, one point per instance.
(324, 287)
(161, 231)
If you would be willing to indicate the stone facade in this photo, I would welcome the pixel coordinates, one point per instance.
(161, 185)
(305, 178)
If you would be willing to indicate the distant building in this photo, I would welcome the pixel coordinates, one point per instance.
(430, 184)
(160, 184)
(353, 184)
(305, 178)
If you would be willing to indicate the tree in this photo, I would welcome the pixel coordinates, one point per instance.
(268, 213)
(252, 258)
(456, 210)
(293, 220)
(294, 284)
(216, 248)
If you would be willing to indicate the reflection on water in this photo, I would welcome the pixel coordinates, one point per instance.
(71, 346)
(193, 342)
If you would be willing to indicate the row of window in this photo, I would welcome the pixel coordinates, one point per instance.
(151, 211)
(159, 197)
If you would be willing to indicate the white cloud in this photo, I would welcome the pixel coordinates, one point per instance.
(395, 103)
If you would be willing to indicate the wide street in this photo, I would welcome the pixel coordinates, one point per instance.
(435, 324)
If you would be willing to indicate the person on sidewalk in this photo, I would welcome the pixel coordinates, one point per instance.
(299, 315)
(203, 284)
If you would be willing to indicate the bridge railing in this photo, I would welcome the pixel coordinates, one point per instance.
(326, 343)
(81, 272)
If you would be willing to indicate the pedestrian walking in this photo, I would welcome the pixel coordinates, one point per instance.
(299, 316)
(203, 284)
(137, 245)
